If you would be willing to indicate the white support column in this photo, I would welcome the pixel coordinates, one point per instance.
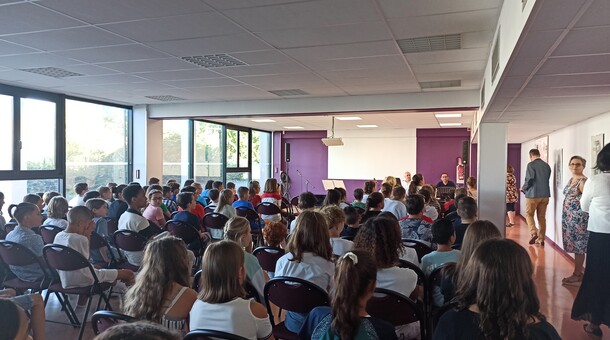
(139, 143)
(154, 149)
(492, 173)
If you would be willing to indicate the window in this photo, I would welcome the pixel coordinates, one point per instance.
(38, 127)
(14, 191)
(176, 162)
(261, 156)
(96, 144)
(208, 153)
(6, 139)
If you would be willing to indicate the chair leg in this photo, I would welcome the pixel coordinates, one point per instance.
(65, 302)
(84, 323)
(70, 309)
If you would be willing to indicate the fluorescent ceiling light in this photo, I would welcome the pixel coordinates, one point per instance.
(450, 124)
(263, 120)
(293, 127)
(349, 118)
(367, 126)
(448, 115)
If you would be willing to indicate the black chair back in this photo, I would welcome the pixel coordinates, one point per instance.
(395, 308)
(208, 210)
(214, 220)
(249, 214)
(268, 256)
(268, 208)
(48, 232)
(209, 334)
(64, 258)
(295, 201)
(9, 226)
(182, 230)
(113, 225)
(293, 294)
(420, 247)
(14, 254)
(197, 281)
(129, 240)
(104, 319)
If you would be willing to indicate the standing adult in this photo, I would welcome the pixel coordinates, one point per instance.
(537, 192)
(407, 180)
(574, 220)
(512, 195)
(592, 303)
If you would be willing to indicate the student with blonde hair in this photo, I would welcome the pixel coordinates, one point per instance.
(220, 305)
(271, 194)
(56, 212)
(335, 217)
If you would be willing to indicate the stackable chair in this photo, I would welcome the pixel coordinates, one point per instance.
(214, 221)
(48, 232)
(129, 240)
(420, 247)
(104, 319)
(209, 334)
(396, 309)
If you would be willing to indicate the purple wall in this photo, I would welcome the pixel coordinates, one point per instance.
(437, 150)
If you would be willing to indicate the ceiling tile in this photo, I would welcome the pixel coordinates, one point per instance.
(235, 92)
(113, 53)
(267, 69)
(327, 35)
(570, 80)
(97, 12)
(447, 56)
(585, 41)
(484, 20)
(567, 91)
(89, 70)
(230, 4)
(175, 27)
(8, 48)
(576, 64)
(207, 82)
(262, 57)
(286, 81)
(211, 45)
(153, 65)
(475, 75)
(108, 79)
(198, 73)
(556, 14)
(538, 43)
(396, 61)
(35, 60)
(476, 65)
(65, 39)
(404, 9)
(27, 17)
(355, 50)
(596, 15)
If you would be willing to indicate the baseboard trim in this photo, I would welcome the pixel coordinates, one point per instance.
(553, 245)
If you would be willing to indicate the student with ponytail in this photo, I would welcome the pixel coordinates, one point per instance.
(355, 282)
(374, 205)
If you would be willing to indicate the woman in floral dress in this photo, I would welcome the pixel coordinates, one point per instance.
(574, 220)
(512, 195)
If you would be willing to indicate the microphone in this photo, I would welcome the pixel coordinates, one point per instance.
(298, 172)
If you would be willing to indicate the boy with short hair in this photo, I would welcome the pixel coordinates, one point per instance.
(167, 199)
(80, 189)
(352, 222)
(358, 195)
(214, 195)
(243, 194)
(133, 220)
(28, 216)
(443, 234)
(99, 208)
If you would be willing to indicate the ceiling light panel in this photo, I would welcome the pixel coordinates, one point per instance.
(293, 127)
(167, 98)
(214, 60)
(448, 115)
(432, 43)
(366, 126)
(263, 120)
(52, 72)
(349, 118)
(440, 84)
(450, 124)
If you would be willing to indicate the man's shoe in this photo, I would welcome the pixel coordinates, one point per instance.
(533, 239)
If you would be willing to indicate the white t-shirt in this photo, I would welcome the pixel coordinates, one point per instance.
(234, 317)
(82, 277)
(133, 222)
(341, 246)
(153, 213)
(410, 254)
(431, 212)
(77, 201)
(400, 280)
(596, 201)
(397, 208)
(312, 268)
(58, 222)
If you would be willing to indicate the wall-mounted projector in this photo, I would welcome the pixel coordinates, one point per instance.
(332, 141)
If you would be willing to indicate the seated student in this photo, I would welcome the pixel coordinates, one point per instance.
(237, 229)
(386, 191)
(336, 221)
(2, 219)
(20, 314)
(28, 216)
(496, 298)
(443, 235)
(80, 189)
(168, 201)
(433, 199)
(203, 198)
(166, 214)
(225, 204)
(105, 193)
(175, 190)
(307, 201)
(76, 236)
(451, 205)
(342, 198)
(395, 205)
(309, 258)
(355, 278)
(275, 234)
(406, 253)
(471, 183)
(243, 194)
(56, 214)
(374, 204)
(138, 330)
(161, 292)
(218, 186)
(188, 182)
(118, 206)
(91, 194)
(198, 209)
(352, 222)
(477, 233)
(380, 237)
(220, 305)
(231, 186)
(358, 196)
(153, 180)
(34, 199)
(213, 196)
(414, 227)
(467, 210)
(133, 220)
(369, 188)
(153, 211)
(99, 208)
(255, 189)
(429, 210)
(46, 198)
(186, 203)
(271, 194)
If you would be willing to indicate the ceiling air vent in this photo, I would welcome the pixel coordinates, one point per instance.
(52, 72)
(439, 84)
(429, 44)
(166, 98)
(289, 93)
(214, 60)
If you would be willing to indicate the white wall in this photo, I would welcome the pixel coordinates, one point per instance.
(374, 153)
(574, 140)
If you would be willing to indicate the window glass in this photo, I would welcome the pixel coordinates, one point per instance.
(175, 150)
(6, 139)
(241, 179)
(244, 151)
(38, 120)
(232, 148)
(208, 152)
(96, 145)
(14, 191)
(261, 156)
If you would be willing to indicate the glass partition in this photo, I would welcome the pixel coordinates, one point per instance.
(38, 120)
(176, 150)
(208, 153)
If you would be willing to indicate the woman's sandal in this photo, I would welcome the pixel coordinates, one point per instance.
(574, 280)
(596, 332)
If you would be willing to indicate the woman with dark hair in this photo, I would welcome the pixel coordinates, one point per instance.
(374, 204)
(369, 188)
(355, 277)
(512, 194)
(496, 298)
(333, 196)
(574, 221)
(592, 303)
(416, 183)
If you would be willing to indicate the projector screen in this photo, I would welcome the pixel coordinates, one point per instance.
(368, 154)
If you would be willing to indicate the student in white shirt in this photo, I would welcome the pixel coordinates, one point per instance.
(220, 305)
(76, 236)
(56, 212)
(133, 220)
(309, 258)
(80, 189)
(336, 221)
(396, 205)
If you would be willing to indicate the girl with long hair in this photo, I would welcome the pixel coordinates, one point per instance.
(309, 258)
(369, 188)
(162, 292)
(374, 204)
(271, 194)
(225, 202)
(220, 305)
(416, 183)
(254, 188)
(496, 297)
(355, 277)
(333, 197)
